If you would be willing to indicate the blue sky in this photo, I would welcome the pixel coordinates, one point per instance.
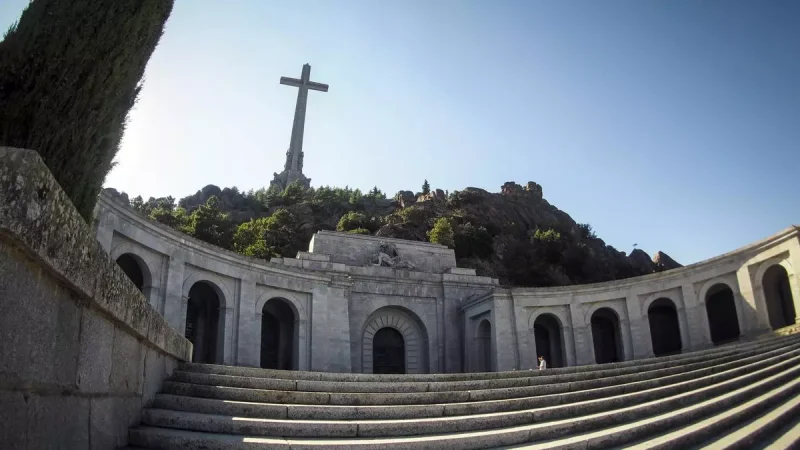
(671, 124)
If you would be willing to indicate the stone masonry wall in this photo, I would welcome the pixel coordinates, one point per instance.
(82, 350)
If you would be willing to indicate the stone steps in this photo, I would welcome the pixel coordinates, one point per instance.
(408, 427)
(681, 400)
(553, 394)
(786, 437)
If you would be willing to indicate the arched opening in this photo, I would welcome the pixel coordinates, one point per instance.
(778, 296)
(721, 311)
(606, 336)
(204, 328)
(549, 343)
(278, 336)
(132, 267)
(388, 352)
(484, 347)
(665, 332)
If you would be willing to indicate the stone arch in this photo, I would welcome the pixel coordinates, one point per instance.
(279, 335)
(216, 319)
(149, 280)
(721, 311)
(410, 327)
(136, 269)
(777, 292)
(290, 298)
(549, 337)
(483, 347)
(606, 335)
(665, 330)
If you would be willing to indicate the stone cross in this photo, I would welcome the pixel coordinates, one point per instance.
(294, 161)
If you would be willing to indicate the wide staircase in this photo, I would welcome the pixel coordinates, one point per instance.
(745, 395)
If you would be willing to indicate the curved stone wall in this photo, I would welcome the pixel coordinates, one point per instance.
(335, 301)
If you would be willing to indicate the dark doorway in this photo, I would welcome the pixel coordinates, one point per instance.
(484, 346)
(665, 332)
(547, 334)
(203, 325)
(278, 336)
(606, 336)
(133, 269)
(778, 297)
(389, 352)
(721, 310)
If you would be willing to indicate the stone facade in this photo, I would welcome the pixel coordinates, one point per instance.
(340, 298)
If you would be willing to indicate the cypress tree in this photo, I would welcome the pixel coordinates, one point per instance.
(70, 71)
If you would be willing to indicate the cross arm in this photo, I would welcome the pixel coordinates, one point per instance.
(317, 86)
(291, 81)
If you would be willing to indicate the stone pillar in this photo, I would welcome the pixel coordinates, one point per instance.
(639, 328)
(504, 346)
(794, 278)
(525, 342)
(330, 331)
(627, 341)
(249, 353)
(174, 300)
(751, 317)
(580, 351)
(696, 319)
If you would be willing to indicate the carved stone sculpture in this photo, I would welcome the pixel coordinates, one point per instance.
(388, 256)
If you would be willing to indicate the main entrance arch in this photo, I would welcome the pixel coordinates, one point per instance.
(205, 327)
(778, 297)
(547, 334)
(279, 340)
(665, 332)
(721, 311)
(399, 322)
(389, 352)
(606, 336)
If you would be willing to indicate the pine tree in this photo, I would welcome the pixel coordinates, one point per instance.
(442, 232)
(69, 73)
(426, 188)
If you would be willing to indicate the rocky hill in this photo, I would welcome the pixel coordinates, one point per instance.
(514, 235)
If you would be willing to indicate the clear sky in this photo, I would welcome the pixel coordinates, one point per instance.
(671, 124)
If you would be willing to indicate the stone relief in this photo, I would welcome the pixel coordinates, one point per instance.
(388, 256)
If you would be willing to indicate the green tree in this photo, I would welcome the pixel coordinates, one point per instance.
(293, 194)
(356, 197)
(352, 220)
(442, 232)
(426, 188)
(211, 225)
(268, 237)
(69, 73)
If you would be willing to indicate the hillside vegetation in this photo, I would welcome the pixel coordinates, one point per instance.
(514, 235)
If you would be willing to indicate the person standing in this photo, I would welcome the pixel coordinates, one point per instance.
(542, 363)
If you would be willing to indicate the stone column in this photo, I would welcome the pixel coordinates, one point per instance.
(330, 331)
(525, 341)
(504, 346)
(639, 328)
(696, 319)
(249, 344)
(627, 341)
(581, 350)
(752, 318)
(794, 278)
(174, 300)
(105, 228)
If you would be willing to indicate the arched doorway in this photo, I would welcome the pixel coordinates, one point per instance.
(133, 268)
(484, 347)
(665, 332)
(549, 343)
(388, 352)
(721, 311)
(606, 336)
(278, 336)
(204, 327)
(778, 297)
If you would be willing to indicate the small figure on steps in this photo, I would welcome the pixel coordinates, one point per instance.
(542, 363)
